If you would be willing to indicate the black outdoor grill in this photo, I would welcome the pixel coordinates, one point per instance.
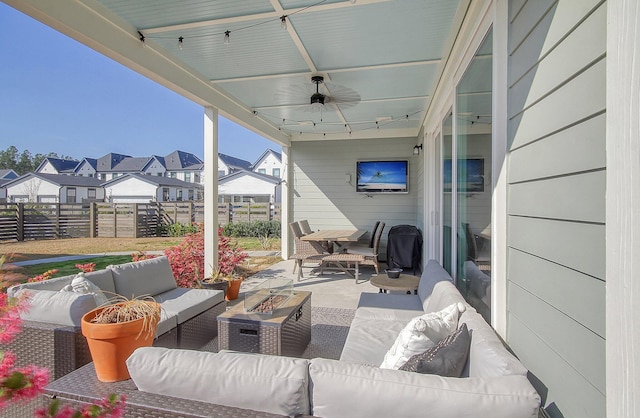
(404, 247)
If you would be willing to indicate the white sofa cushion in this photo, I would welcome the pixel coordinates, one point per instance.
(488, 356)
(340, 389)
(278, 385)
(104, 280)
(433, 274)
(188, 303)
(55, 307)
(422, 333)
(146, 277)
(56, 284)
(388, 307)
(368, 340)
(81, 285)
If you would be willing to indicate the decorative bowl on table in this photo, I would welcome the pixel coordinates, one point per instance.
(393, 273)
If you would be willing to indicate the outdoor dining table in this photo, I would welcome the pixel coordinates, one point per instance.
(337, 236)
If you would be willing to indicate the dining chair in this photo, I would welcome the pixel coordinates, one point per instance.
(361, 245)
(370, 254)
(305, 251)
(304, 226)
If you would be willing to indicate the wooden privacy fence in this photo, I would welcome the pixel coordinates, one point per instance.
(32, 221)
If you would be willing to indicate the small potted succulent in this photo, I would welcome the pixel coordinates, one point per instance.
(115, 331)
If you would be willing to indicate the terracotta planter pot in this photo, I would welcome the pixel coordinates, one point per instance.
(234, 289)
(111, 344)
(223, 285)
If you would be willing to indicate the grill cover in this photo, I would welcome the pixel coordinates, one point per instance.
(404, 247)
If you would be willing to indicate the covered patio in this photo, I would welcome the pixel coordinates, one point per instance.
(531, 99)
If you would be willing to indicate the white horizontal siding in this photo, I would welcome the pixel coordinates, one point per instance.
(556, 200)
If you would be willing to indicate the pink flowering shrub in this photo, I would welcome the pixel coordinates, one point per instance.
(187, 258)
(44, 276)
(87, 268)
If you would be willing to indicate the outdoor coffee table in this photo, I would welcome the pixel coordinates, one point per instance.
(284, 332)
(403, 283)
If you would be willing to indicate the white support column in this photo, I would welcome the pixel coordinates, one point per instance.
(499, 168)
(285, 204)
(623, 201)
(210, 190)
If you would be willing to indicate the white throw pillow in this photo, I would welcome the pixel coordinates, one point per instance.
(55, 307)
(82, 285)
(422, 333)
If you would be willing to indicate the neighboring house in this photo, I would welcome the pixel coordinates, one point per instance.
(53, 188)
(228, 164)
(86, 167)
(51, 165)
(270, 162)
(249, 186)
(3, 191)
(8, 174)
(184, 166)
(140, 188)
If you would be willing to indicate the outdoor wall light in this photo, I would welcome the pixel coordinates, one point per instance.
(416, 149)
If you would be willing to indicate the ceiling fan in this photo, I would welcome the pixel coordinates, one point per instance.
(324, 94)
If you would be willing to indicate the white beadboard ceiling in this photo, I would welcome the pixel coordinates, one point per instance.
(381, 59)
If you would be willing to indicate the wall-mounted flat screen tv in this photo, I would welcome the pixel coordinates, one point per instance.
(470, 175)
(382, 176)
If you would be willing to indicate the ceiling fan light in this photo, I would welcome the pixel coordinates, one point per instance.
(317, 98)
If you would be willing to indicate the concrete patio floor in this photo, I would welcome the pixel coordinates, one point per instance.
(332, 289)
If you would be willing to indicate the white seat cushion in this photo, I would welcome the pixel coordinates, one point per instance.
(369, 340)
(188, 303)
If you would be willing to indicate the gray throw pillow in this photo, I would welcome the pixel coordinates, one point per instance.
(447, 358)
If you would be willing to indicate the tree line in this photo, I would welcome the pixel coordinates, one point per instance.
(24, 162)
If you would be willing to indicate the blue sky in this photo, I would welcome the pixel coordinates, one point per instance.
(57, 95)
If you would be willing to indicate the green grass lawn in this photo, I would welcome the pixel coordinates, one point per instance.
(66, 268)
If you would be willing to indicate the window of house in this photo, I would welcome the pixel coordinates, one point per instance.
(196, 178)
(172, 175)
(190, 194)
(262, 171)
(187, 177)
(179, 196)
(103, 176)
(91, 194)
(71, 195)
(165, 194)
(275, 172)
(221, 173)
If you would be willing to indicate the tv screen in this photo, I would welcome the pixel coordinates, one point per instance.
(382, 176)
(470, 175)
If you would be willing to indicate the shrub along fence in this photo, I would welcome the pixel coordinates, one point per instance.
(31, 221)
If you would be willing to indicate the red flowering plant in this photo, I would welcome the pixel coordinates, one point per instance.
(44, 276)
(141, 255)
(187, 258)
(87, 268)
(23, 383)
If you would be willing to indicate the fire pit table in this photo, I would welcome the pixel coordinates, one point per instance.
(276, 323)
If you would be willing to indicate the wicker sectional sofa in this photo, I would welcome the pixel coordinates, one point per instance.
(192, 383)
(51, 335)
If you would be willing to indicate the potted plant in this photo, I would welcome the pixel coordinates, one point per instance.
(115, 331)
(234, 287)
(216, 281)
